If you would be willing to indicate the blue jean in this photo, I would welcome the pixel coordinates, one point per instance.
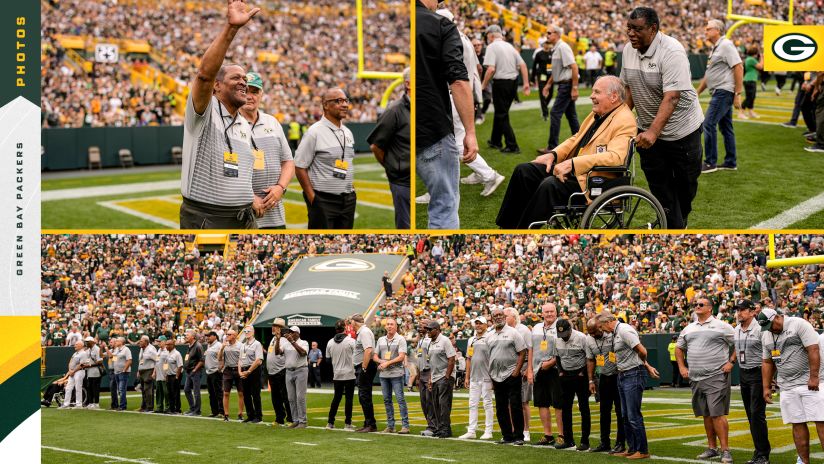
(388, 385)
(631, 391)
(564, 106)
(122, 380)
(719, 113)
(400, 198)
(439, 168)
(192, 391)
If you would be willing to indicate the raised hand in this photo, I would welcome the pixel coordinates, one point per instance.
(239, 13)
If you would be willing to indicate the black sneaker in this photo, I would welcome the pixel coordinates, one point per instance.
(493, 145)
(504, 442)
(518, 443)
(546, 441)
(788, 124)
(565, 445)
(707, 168)
(618, 449)
(514, 150)
(815, 149)
(601, 448)
(582, 447)
(727, 167)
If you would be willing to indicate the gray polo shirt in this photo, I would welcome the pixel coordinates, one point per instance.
(598, 349)
(422, 353)
(231, 354)
(342, 354)
(390, 349)
(291, 356)
(794, 365)
(162, 357)
(173, 361)
(707, 346)
(203, 177)
(505, 58)
(544, 344)
(275, 362)
(477, 354)
(212, 351)
(440, 350)
(120, 356)
(748, 345)
(525, 333)
(94, 357)
(250, 352)
(722, 59)
(624, 340)
(663, 68)
(365, 339)
(562, 61)
(268, 136)
(78, 359)
(572, 353)
(322, 145)
(146, 358)
(504, 349)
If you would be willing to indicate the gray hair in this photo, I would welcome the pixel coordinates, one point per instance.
(145, 338)
(604, 317)
(407, 74)
(614, 85)
(717, 24)
(221, 73)
(558, 29)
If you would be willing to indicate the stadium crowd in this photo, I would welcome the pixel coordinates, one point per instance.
(297, 47)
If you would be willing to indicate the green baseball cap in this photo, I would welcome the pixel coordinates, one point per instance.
(253, 79)
(765, 318)
(161, 338)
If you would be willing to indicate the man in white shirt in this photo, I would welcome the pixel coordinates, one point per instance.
(297, 373)
(479, 381)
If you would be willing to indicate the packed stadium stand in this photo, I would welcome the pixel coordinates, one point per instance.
(165, 284)
(298, 47)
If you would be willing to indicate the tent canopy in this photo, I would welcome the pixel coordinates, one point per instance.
(319, 290)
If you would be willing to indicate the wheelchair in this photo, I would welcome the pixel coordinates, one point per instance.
(616, 203)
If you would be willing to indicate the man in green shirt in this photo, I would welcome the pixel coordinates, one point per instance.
(753, 63)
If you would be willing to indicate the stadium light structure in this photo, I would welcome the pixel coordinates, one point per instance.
(741, 20)
(774, 263)
(364, 74)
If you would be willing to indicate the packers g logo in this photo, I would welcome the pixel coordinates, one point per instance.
(343, 264)
(794, 47)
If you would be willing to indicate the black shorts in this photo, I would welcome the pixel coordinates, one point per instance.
(546, 389)
(231, 377)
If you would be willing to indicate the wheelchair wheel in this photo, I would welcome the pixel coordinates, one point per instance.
(625, 207)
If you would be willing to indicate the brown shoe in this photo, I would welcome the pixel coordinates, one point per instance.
(367, 429)
(638, 455)
(389, 430)
(404, 431)
(624, 453)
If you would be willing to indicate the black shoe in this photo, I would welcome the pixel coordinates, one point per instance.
(212, 415)
(240, 417)
(546, 441)
(518, 443)
(247, 420)
(565, 445)
(492, 145)
(255, 421)
(225, 418)
(504, 442)
(582, 447)
(727, 167)
(514, 150)
(618, 448)
(602, 448)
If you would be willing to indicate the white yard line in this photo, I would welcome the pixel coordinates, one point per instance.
(304, 444)
(103, 190)
(797, 213)
(249, 448)
(431, 458)
(97, 455)
(358, 439)
(113, 205)
(188, 453)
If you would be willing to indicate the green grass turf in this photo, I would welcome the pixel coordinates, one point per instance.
(815, 221)
(86, 213)
(158, 438)
(774, 174)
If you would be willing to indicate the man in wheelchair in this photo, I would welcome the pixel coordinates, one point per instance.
(539, 186)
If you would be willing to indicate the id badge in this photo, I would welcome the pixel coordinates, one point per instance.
(230, 168)
(341, 164)
(611, 357)
(470, 351)
(776, 355)
(387, 356)
(742, 357)
(260, 161)
(165, 367)
(186, 359)
(420, 351)
(543, 345)
(111, 361)
(599, 360)
(339, 173)
(271, 349)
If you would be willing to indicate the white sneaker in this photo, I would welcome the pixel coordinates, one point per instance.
(798, 460)
(743, 116)
(486, 436)
(423, 199)
(468, 436)
(349, 428)
(526, 437)
(754, 115)
(778, 91)
(491, 186)
(472, 179)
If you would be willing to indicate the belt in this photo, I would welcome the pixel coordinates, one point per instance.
(341, 195)
(568, 81)
(638, 367)
(241, 212)
(295, 368)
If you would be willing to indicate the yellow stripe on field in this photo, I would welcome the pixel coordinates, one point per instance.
(160, 208)
(376, 197)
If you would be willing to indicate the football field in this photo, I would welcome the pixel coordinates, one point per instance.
(101, 436)
(149, 198)
(777, 185)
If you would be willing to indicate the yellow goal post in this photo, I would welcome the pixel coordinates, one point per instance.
(773, 263)
(741, 20)
(396, 77)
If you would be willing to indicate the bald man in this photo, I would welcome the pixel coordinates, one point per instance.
(324, 165)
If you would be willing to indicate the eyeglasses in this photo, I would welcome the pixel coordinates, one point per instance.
(338, 101)
(699, 304)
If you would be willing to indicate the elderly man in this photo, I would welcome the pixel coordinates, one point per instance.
(214, 381)
(442, 361)
(276, 372)
(480, 383)
(193, 366)
(424, 375)
(93, 374)
(228, 361)
(503, 64)
(251, 357)
(121, 358)
(77, 372)
(146, 359)
(725, 81)
(748, 350)
(390, 355)
(708, 343)
(565, 75)
(216, 180)
(542, 372)
(513, 320)
(791, 347)
(294, 353)
(325, 166)
(572, 363)
(604, 367)
(161, 402)
(549, 180)
(507, 355)
(173, 370)
(365, 370)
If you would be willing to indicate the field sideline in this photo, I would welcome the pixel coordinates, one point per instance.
(674, 435)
